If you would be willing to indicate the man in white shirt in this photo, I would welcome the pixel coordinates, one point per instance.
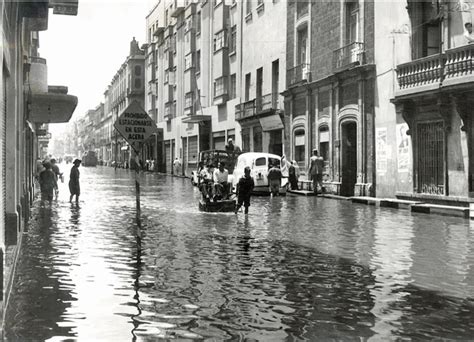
(221, 184)
(468, 33)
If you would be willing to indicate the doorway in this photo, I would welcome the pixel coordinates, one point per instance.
(348, 158)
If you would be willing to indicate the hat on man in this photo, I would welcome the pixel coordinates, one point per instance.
(229, 140)
(77, 161)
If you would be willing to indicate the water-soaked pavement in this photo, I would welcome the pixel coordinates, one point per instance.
(295, 268)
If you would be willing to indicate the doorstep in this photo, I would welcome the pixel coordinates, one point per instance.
(440, 209)
(398, 203)
(301, 192)
(366, 200)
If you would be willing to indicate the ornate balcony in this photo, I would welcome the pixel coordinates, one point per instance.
(298, 74)
(348, 56)
(459, 66)
(423, 74)
(453, 68)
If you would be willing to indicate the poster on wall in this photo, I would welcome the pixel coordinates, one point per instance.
(381, 149)
(403, 147)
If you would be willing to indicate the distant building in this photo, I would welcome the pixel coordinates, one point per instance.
(127, 85)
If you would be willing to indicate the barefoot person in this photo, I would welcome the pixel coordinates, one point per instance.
(74, 187)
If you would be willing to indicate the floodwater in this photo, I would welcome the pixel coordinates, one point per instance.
(295, 268)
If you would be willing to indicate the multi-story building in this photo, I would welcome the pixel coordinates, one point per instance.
(195, 77)
(428, 151)
(330, 90)
(263, 73)
(27, 102)
(126, 86)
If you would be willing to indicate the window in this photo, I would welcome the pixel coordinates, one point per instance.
(352, 21)
(299, 143)
(198, 22)
(198, 61)
(245, 133)
(301, 8)
(233, 39)
(233, 86)
(219, 40)
(188, 61)
(257, 139)
(262, 161)
(247, 86)
(138, 83)
(302, 45)
(189, 100)
(138, 70)
(219, 87)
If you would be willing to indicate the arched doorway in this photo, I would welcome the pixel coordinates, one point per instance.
(348, 157)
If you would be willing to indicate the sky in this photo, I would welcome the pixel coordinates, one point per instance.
(84, 52)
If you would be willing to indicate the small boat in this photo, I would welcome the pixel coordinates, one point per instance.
(218, 206)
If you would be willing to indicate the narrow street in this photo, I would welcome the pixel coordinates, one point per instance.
(295, 268)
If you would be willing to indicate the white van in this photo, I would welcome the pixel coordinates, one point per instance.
(259, 162)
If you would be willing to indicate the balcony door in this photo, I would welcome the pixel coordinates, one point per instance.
(352, 22)
(426, 28)
(259, 88)
(302, 47)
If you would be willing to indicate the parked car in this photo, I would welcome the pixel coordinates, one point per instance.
(259, 162)
(89, 158)
(214, 157)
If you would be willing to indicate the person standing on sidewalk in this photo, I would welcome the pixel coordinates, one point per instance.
(47, 181)
(74, 186)
(315, 171)
(244, 190)
(177, 166)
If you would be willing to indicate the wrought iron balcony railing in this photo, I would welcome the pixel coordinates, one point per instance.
(245, 110)
(351, 54)
(298, 73)
(266, 102)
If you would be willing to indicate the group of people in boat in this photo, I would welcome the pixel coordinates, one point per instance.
(214, 182)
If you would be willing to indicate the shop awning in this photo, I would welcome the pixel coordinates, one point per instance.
(271, 122)
(196, 118)
(55, 106)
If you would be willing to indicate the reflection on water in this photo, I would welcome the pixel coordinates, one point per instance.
(295, 268)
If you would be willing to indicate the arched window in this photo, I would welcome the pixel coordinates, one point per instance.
(299, 143)
(138, 70)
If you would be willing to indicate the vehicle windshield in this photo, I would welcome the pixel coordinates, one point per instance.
(215, 157)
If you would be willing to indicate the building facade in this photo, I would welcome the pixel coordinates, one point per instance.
(27, 105)
(431, 133)
(196, 77)
(329, 99)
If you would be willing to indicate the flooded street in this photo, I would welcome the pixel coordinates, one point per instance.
(295, 268)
